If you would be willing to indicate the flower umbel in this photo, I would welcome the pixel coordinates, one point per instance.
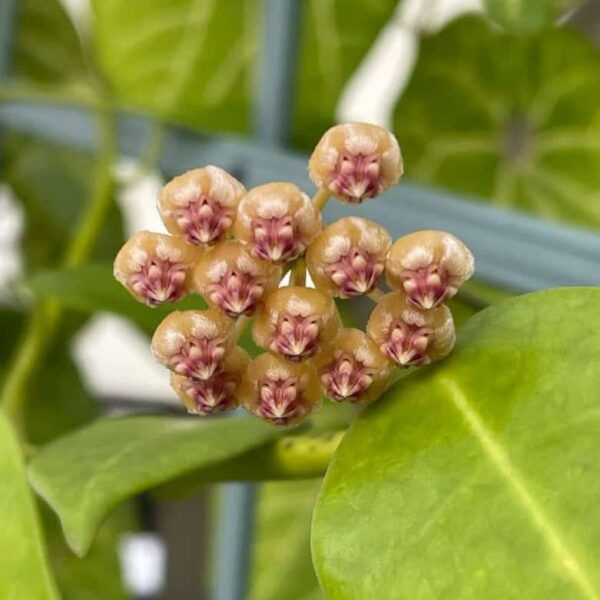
(356, 161)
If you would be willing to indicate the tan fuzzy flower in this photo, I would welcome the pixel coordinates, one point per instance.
(280, 392)
(430, 266)
(217, 394)
(194, 343)
(296, 322)
(356, 161)
(156, 268)
(352, 368)
(231, 279)
(200, 205)
(348, 256)
(278, 221)
(409, 335)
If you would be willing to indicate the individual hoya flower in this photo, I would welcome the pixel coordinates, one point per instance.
(233, 280)
(278, 221)
(217, 394)
(278, 391)
(409, 335)
(296, 322)
(194, 343)
(430, 266)
(356, 161)
(156, 268)
(348, 256)
(353, 369)
(200, 205)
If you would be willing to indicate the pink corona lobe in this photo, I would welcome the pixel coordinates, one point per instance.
(346, 379)
(355, 273)
(275, 239)
(407, 344)
(427, 287)
(159, 281)
(236, 293)
(199, 358)
(213, 395)
(356, 177)
(203, 220)
(280, 400)
(296, 337)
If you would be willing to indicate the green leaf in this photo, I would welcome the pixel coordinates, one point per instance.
(476, 478)
(188, 60)
(22, 560)
(86, 474)
(337, 34)
(524, 16)
(521, 133)
(282, 530)
(92, 287)
(47, 46)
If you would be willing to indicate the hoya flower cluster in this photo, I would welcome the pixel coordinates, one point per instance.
(233, 247)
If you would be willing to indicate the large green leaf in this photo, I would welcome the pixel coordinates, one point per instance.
(282, 566)
(86, 474)
(514, 120)
(187, 60)
(336, 35)
(47, 47)
(24, 573)
(525, 16)
(476, 478)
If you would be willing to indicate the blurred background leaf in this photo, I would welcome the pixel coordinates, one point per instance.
(527, 16)
(522, 133)
(186, 60)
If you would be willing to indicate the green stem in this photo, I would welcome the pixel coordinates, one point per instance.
(319, 200)
(45, 315)
(298, 274)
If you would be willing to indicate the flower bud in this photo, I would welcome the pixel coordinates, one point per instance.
(278, 221)
(233, 280)
(409, 335)
(194, 343)
(348, 256)
(200, 205)
(278, 391)
(156, 268)
(353, 369)
(295, 322)
(356, 161)
(430, 266)
(217, 394)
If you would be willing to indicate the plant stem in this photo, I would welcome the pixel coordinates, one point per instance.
(319, 200)
(240, 326)
(45, 315)
(298, 275)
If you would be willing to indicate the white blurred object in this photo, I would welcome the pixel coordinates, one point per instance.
(143, 563)
(11, 230)
(115, 359)
(371, 94)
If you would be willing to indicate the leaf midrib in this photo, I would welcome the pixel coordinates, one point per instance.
(496, 455)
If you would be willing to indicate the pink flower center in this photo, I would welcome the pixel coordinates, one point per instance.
(427, 287)
(203, 220)
(357, 177)
(346, 379)
(407, 344)
(159, 281)
(356, 272)
(236, 293)
(280, 400)
(199, 358)
(296, 337)
(276, 240)
(214, 395)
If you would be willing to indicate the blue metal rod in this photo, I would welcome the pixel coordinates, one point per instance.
(513, 250)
